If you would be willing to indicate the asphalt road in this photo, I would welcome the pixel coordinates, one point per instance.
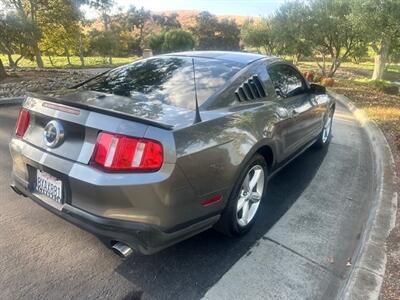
(300, 246)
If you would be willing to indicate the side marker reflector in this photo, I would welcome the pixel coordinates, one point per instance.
(212, 200)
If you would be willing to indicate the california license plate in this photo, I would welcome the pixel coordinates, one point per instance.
(49, 185)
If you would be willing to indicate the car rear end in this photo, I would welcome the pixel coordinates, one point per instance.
(115, 177)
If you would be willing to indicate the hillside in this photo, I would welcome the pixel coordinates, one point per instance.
(187, 19)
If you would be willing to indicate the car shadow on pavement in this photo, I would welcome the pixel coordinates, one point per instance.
(188, 269)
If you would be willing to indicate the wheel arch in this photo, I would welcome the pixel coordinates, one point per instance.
(268, 154)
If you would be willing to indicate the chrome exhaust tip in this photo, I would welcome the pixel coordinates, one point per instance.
(122, 249)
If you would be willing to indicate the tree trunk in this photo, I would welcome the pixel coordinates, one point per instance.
(380, 60)
(81, 58)
(110, 60)
(323, 67)
(38, 56)
(296, 58)
(3, 73)
(18, 59)
(51, 61)
(67, 55)
(106, 21)
(11, 62)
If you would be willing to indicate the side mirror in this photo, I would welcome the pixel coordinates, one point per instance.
(317, 89)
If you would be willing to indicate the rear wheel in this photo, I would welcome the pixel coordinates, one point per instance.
(326, 133)
(245, 199)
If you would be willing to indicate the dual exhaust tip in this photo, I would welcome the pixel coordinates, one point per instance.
(122, 249)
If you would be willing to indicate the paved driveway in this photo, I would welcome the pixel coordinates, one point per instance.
(305, 235)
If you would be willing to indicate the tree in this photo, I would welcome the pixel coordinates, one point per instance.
(103, 7)
(394, 54)
(138, 19)
(28, 11)
(289, 30)
(380, 25)
(60, 29)
(214, 35)
(260, 35)
(42, 15)
(3, 73)
(170, 41)
(331, 33)
(228, 35)
(103, 44)
(178, 40)
(14, 38)
(204, 30)
(155, 42)
(167, 22)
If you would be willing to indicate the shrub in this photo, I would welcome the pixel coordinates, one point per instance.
(327, 81)
(155, 42)
(178, 40)
(309, 76)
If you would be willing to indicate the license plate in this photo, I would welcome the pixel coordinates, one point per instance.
(49, 185)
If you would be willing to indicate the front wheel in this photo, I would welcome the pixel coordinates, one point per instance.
(245, 198)
(326, 133)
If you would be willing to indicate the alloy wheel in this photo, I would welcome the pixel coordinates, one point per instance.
(327, 128)
(250, 195)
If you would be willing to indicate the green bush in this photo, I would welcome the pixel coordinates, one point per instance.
(178, 40)
(155, 42)
(170, 41)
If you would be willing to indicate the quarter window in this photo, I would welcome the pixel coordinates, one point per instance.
(286, 80)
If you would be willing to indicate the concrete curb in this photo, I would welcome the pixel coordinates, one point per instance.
(11, 101)
(369, 261)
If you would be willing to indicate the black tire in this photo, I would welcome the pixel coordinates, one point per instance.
(322, 140)
(228, 223)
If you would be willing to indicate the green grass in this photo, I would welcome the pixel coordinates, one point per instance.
(61, 61)
(366, 65)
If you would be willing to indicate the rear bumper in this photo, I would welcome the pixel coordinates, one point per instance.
(147, 211)
(144, 238)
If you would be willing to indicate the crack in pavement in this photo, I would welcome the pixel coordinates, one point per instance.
(304, 257)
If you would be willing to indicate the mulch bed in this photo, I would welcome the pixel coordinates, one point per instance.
(24, 80)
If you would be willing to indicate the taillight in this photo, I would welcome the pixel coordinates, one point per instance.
(116, 152)
(22, 122)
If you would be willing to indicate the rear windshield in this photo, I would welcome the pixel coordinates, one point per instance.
(166, 79)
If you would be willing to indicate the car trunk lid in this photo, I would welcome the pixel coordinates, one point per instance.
(82, 118)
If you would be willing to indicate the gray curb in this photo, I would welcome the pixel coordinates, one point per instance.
(11, 101)
(369, 260)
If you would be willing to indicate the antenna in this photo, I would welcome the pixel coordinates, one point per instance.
(197, 118)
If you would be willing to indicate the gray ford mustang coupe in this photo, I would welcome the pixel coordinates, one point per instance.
(156, 151)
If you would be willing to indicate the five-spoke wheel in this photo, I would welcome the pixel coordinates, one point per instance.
(246, 198)
(250, 195)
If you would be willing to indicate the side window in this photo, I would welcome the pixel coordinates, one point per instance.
(286, 80)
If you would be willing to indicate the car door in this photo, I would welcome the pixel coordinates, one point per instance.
(294, 105)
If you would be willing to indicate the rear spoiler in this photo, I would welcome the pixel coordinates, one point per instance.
(105, 111)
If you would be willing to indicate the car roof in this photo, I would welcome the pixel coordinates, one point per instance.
(244, 58)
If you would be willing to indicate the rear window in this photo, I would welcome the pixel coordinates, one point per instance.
(166, 79)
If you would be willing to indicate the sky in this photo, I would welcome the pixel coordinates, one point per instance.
(218, 7)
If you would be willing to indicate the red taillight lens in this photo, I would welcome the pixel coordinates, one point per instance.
(121, 153)
(22, 122)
